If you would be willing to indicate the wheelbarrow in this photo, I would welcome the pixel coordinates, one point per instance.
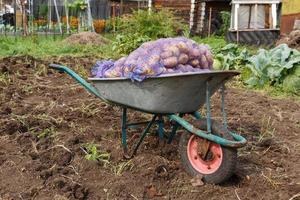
(207, 148)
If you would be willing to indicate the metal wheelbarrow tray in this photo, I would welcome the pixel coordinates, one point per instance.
(210, 149)
(171, 93)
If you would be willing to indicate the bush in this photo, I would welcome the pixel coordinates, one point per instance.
(143, 26)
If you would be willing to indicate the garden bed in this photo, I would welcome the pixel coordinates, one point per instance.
(47, 120)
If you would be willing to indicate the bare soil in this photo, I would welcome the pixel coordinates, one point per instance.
(46, 119)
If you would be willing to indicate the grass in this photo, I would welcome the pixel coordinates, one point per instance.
(275, 92)
(47, 46)
(215, 42)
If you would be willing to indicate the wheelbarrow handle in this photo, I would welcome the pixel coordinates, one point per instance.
(79, 79)
(58, 67)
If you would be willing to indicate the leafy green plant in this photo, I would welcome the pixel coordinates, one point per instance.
(124, 44)
(142, 26)
(93, 154)
(78, 5)
(230, 57)
(273, 66)
(291, 83)
(225, 15)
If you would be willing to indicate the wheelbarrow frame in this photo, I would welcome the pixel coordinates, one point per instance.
(176, 118)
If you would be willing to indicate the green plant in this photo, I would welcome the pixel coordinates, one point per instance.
(4, 78)
(124, 44)
(78, 5)
(43, 10)
(93, 154)
(225, 16)
(47, 132)
(230, 57)
(215, 42)
(142, 26)
(273, 66)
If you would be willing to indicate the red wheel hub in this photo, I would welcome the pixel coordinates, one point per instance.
(208, 163)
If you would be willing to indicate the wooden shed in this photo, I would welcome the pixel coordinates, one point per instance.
(205, 17)
(255, 22)
(290, 14)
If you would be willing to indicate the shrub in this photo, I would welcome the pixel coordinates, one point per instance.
(143, 26)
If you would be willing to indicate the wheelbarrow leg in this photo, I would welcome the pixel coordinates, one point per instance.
(174, 130)
(208, 112)
(223, 106)
(143, 135)
(160, 127)
(124, 134)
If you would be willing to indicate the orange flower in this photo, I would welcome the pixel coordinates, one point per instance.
(99, 25)
(40, 22)
(73, 21)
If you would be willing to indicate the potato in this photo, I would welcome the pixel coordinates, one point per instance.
(183, 48)
(170, 62)
(183, 58)
(165, 54)
(174, 50)
(195, 53)
(204, 63)
(194, 62)
(153, 60)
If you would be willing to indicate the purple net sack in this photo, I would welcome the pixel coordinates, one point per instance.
(163, 56)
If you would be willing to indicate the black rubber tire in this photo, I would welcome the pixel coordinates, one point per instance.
(228, 164)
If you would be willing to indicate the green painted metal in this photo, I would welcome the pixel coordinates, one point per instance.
(239, 140)
(137, 124)
(174, 130)
(161, 127)
(208, 113)
(197, 115)
(124, 134)
(80, 80)
(173, 133)
(223, 106)
(143, 135)
(179, 121)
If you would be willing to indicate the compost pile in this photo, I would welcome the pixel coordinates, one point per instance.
(86, 38)
(292, 40)
(163, 56)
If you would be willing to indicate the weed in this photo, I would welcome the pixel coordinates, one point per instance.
(4, 78)
(83, 72)
(41, 70)
(270, 180)
(48, 132)
(43, 46)
(27, 89)
(93, 154)
(87, 110)
(122, 166)
(267, 128)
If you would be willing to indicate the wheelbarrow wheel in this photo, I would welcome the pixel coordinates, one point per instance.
(218, 163)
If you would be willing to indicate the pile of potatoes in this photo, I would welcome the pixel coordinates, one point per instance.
(163, 56)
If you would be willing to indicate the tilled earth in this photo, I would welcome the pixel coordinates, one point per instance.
(47, 121)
